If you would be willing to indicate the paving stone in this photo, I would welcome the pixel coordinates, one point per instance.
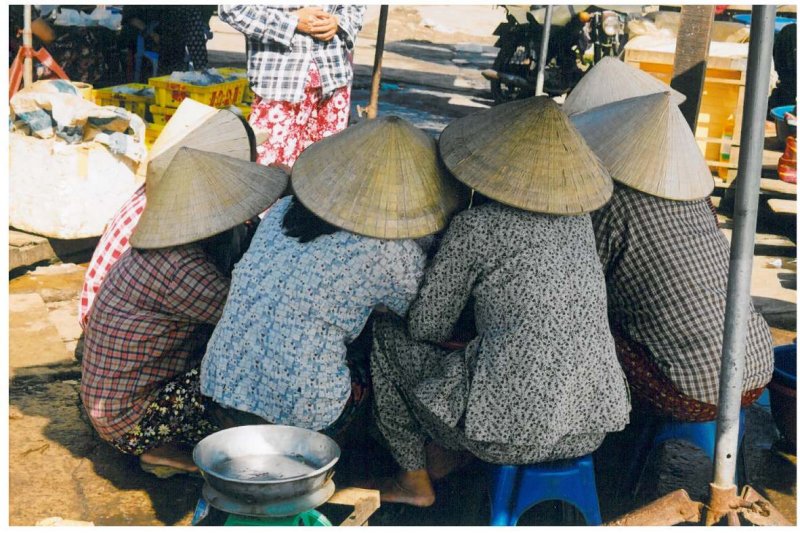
(35, 341)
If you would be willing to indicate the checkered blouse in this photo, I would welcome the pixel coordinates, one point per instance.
(278, 58)
(666, 266)
(112, 245)
(149, 323)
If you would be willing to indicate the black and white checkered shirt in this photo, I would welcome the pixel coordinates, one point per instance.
(278, 58)
(666, 266)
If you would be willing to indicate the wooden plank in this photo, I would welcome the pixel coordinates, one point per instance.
(364, 502)
(691, 53)
(783, 207)
(778, 186)
(767, 186)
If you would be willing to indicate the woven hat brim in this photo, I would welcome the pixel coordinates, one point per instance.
(612, 80)
(647, 145)
(380, 178)
(526, 154)
(198, 126)
(202, 194)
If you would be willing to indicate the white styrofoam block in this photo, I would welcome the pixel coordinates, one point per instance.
(66, 191)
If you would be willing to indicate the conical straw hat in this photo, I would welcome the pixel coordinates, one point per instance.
(380, 178)
(611, 80)
(647, 145)
(198, 126)
(202, 194)
(527, 154)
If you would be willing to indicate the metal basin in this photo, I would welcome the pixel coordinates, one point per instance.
(263, 464)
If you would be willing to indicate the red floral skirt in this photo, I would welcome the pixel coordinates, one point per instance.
(294, 126)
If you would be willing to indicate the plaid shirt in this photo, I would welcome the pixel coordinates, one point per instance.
(278, 58)
(112, 245)
(150, 323)
(666, 266)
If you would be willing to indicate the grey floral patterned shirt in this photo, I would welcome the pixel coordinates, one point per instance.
(543, 364)
(666, 266)
(279, 349)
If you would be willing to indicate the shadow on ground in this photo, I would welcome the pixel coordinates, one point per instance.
(44, 482)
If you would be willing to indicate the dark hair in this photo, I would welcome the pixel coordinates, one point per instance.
(303, 225)
(225, 249)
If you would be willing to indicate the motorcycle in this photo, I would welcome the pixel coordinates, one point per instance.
(574, 31)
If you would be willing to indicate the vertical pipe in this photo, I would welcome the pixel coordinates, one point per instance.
(27, 44)
(737, 308)
(372, 108)
(548, 17)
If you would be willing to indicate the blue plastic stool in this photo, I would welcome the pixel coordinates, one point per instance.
(701, 434)
(142, 53)
(515, 489)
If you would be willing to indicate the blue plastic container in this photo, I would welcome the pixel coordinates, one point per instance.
(782, 127)
(780, 22)
(785, 371)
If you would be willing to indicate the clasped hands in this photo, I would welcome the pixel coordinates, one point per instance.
(317, 23)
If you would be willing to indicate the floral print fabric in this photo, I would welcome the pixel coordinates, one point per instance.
(294, 126)
(541, 379)
(279, 351)
(177, 414)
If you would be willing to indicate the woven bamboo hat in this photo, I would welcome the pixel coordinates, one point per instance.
(202, 194)
(198, 126)
(647, 145)
(380, 178)
(528, 155)
(611, 80)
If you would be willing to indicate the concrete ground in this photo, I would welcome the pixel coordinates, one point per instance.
(58, 466)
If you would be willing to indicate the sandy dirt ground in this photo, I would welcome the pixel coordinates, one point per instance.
(59, 467)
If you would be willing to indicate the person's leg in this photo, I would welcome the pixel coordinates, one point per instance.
(397, 424)
(278, 119)
(332, 115)
(174, 422)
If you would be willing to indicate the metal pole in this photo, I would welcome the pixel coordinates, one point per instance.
(737, 308)
(548, 16)
(372, 108)
(27, 44)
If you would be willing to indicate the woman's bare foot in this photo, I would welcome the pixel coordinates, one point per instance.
(412, 488)
(442, 461)
(170, 456)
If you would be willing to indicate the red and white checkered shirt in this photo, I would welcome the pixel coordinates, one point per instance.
(150, 323)
(112, 245)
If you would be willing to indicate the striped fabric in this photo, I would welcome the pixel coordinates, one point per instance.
(149, 323)
(278, 58)
(112, 245)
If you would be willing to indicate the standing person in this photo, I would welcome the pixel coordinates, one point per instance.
(666, 262)
(540, 381)
(194, 125)
(299, 64)
(148, 328)
(318, 266)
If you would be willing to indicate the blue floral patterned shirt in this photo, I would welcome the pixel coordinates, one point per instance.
(279, 349)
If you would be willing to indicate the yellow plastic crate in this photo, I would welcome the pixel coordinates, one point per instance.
(161, 115)
(135, 103)
(151, 133)
(249, 95)
(171, 93)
